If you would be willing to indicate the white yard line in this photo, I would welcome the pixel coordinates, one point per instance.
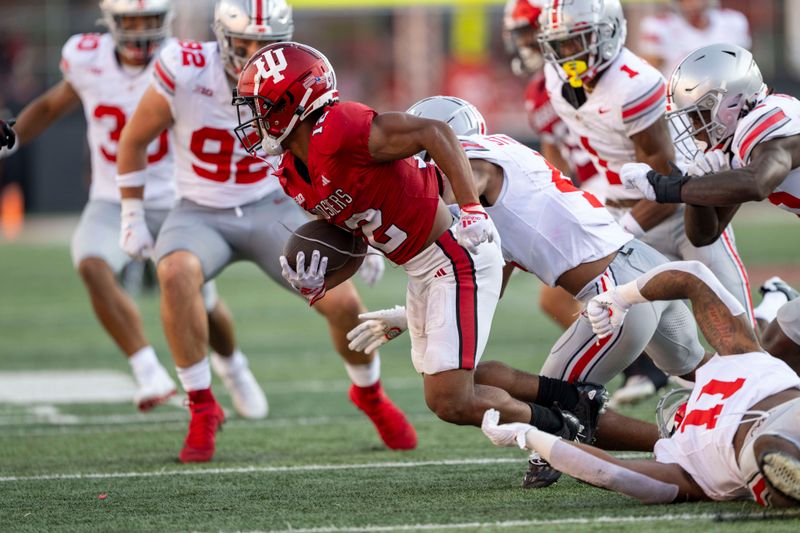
(278, 469)
(263, 469)
(548, 522)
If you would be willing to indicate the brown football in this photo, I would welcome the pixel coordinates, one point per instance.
(345, 251)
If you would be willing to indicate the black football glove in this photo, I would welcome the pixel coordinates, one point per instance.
(668, 188)
(7, 136)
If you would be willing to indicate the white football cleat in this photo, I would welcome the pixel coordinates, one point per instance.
(249, 399)
(155, 392)
(783, 472)
(636, 389)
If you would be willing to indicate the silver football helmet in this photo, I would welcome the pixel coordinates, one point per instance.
(141, 43)
(581, 37)
(463, 117)
(254, 20)
(708, 92)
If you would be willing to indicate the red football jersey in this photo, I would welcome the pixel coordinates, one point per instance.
(392, 204)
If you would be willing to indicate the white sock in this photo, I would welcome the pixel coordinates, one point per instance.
(233, 363)
(364, 375)
(145, 365)
(195, 377)
(767, 310)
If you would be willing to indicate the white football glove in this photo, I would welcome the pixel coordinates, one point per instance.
(634, 176)
(309, 283)
(709, 162)
(379, 328)
(606, 312)
(134, 238)
(474, 227)
(512, 434)
(371, 269)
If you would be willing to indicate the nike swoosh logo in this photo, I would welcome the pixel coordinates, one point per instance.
(603, 111)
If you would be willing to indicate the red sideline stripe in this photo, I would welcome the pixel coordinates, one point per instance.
(587, 358)
(743, 273)
(165, 79)
(784, 198)
(466, 299)
(652, 99)
(775, 117)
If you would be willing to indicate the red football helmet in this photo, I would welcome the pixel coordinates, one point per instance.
(281, 85)
(520, 28)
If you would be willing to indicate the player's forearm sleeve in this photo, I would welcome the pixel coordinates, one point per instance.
(584, 466)
(703, 273)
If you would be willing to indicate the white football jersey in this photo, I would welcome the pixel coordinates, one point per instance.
(670, 37)
(777, 116)
(211, 165)
(628, 98)
(546, 225)
(109, 93)
(726, 388)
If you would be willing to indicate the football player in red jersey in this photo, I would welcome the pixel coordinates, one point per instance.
(231, 208)
(356, 168)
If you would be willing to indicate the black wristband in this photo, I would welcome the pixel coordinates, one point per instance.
(667, 188)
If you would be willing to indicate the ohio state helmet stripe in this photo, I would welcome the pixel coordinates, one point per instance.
(555, 13)
(760, 129)
(260, 11)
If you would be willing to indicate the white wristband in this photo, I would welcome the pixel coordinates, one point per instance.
(137, 178)
(132, 205)
(630, 225)
(629, 292)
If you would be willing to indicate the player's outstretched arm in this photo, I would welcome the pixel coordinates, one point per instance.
(646, 480)
(769, 165)
(396, 136)
(399, 135)
(721, 317)
(44, 110)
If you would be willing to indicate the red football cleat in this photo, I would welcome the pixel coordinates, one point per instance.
(207, 417)
(393, 427)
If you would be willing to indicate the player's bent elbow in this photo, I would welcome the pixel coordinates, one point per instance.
(703, 236)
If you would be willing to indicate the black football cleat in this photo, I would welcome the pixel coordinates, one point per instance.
(592, 399)
(540, 474)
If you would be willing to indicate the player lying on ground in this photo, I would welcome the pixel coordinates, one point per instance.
(107, 74)
(356, 168)
(740, 435)
(566, 238)
(231, 208)
(749, 150)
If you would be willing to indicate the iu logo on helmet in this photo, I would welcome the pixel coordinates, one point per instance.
(275, 61)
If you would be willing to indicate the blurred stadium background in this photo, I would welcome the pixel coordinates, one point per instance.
(388, 54)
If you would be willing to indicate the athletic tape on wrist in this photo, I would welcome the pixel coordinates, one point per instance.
(137, 178)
